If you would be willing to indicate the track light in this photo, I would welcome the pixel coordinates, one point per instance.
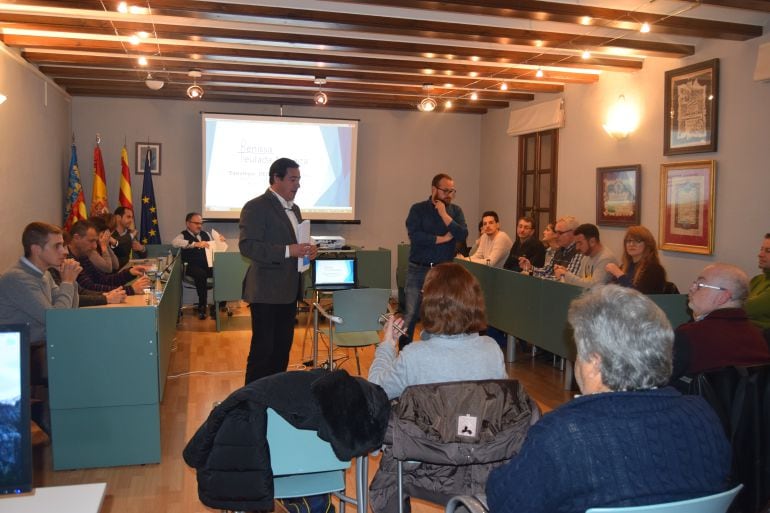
(320, 97)
(427, 104)
(153, 83)
(539, 73)
(645, 28)
(195, 92)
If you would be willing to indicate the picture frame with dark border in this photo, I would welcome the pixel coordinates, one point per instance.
(691, 106)
(141, 150)
(618, 195)
(687, 206)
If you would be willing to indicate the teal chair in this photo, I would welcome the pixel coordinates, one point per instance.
(355, 322)
(717, 503)
(303, 465)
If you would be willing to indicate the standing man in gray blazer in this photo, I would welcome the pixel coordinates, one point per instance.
(268, 237)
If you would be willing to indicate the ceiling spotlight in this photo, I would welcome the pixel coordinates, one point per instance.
(2, 98)
(320, 98)
(539, 73)
(134, 40)
(142, 61)
(153, 83)
(645, 28)
(586, 55)
(503, 86)
(123, 7)
(427, 104)
(195, 92)
(448, 104)
(474, 96)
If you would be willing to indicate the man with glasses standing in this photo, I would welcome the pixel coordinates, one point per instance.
(193, 243)
(721, 334)
(567, 256)
(434, 226)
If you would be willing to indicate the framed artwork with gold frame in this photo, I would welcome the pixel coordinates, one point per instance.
(687, 203)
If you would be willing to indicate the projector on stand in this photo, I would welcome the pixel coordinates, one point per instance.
(328, 241)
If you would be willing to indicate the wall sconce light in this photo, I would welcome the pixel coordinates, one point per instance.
(194, 92)
(320, 97)
(622, 119)
(2, 98)
(152, 83)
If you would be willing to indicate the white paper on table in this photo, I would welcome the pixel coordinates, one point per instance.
(215, 245)
(303, 237)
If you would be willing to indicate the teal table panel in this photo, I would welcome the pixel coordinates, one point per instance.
(402, 264)
(159, 250)
(514, 306)
(555, 333)
(373, 268)
(95, 432)
(102, 356)
(229, 270)
(675, 307)
(168, 314)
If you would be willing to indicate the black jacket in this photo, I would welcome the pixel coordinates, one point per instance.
(230, 450)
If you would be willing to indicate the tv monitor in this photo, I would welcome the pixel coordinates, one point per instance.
(334, 273)
(15, 441)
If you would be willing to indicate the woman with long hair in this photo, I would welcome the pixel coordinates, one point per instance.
(641, 268)
(453, 313)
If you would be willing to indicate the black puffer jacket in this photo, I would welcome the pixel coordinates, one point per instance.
(230, 451)
(458, 432)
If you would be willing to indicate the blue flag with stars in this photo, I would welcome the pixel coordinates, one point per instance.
(150, 229)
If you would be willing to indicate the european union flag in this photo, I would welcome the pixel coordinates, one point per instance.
(150, 229)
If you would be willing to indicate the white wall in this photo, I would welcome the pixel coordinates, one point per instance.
(398, 154)
(34, 151)
(743, 159)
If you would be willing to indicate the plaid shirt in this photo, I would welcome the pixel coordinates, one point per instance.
(568, 257)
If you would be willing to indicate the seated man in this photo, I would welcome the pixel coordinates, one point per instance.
(566, 256)
(127, 246)
(758, 303)
(494, 244)
(83, 240)
(595, 258)
(526, 246)
(627, 440)
(27, 289)
(193, 243)
(721, 334)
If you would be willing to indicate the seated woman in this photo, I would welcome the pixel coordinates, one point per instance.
(551, 245)
(641, 268)
(103, 257)
(628, 440)
(452, 314)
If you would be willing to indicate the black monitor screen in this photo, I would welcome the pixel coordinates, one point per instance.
(15, 442)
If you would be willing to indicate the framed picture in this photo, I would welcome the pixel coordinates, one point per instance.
(618, 195)
(141, 153)
(690, 108)
(687, 194)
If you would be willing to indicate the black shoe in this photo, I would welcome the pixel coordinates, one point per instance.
(202, 312)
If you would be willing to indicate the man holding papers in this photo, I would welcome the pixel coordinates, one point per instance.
(196, 247)
(274, 238)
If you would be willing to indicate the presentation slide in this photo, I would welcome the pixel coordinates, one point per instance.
(238, 151)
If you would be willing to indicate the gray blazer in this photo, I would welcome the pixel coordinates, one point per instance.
(265, 231)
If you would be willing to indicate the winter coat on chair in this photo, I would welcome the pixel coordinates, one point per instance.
(450, 436)
(230, 450)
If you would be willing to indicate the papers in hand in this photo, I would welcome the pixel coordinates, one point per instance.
(303, 237)
(216, 243)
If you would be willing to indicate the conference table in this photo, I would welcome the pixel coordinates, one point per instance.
(230, 268)
(107, 368)
(535, 309)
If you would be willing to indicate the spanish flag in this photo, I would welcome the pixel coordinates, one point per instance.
(99, 193)
(75, 209)
(124, 197)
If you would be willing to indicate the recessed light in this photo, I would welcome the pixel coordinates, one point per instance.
(503, 86)
(539, 73)
(474, 96)
(142, 61)
(586, 55)
(645, 28)
(134, 40)
(473, 74)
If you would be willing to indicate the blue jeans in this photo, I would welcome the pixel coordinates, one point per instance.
(415, 277)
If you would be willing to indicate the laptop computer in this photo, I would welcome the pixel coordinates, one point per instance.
(335, 273)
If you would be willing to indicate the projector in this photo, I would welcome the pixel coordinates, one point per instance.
(328, 241)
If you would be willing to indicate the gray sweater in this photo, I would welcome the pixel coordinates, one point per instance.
(26, 293)
(438, 359)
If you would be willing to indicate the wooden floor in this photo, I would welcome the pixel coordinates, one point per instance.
(207, 366)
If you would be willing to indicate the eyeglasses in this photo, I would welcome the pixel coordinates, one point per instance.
(196, 222)
(560, 232)
(633, 241)
(700, 285)
(447, 191)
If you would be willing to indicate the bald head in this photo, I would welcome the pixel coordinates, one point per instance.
(718, 286)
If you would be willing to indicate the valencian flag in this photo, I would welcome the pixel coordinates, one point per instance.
(99, 193)
(150, 231)
(124, 197)
(75, 209)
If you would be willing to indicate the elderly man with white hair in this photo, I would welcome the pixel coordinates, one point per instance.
(721, 334)
(628, 440)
